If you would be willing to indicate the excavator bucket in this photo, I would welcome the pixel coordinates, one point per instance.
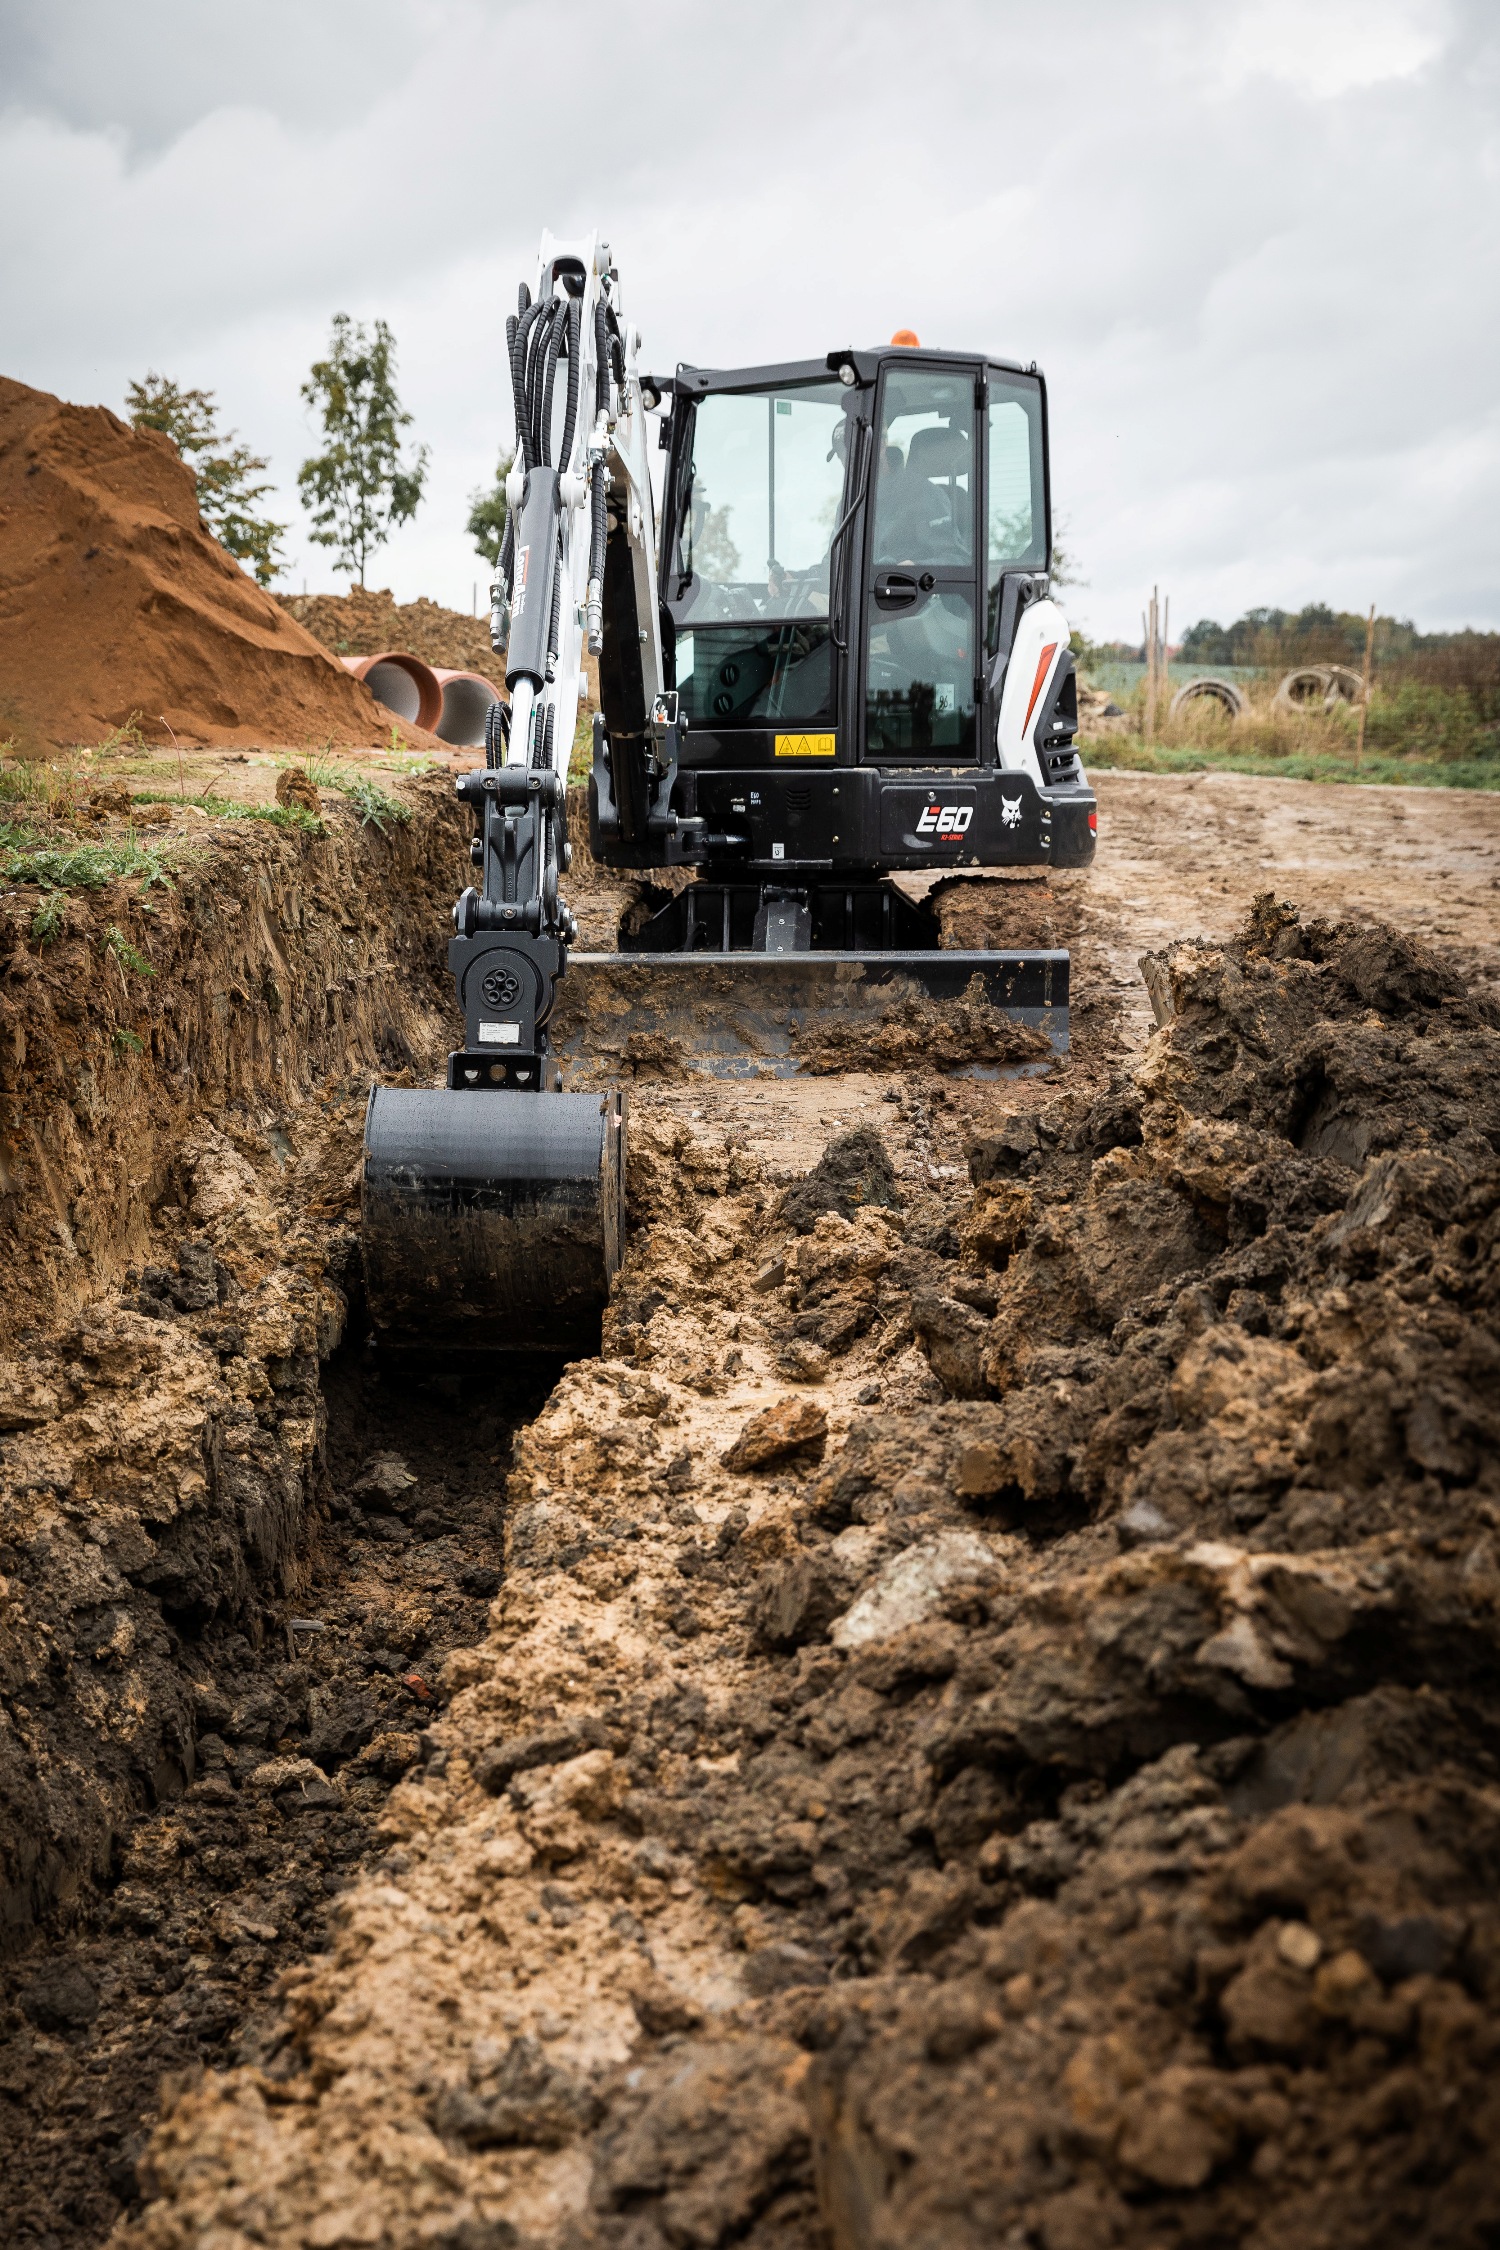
(781, 1015)
(493, 1221)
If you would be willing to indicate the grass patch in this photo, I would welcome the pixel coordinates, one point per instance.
(1416, 735)
(374, 805)
(1123, 753)
(81, 867)
(227, 808)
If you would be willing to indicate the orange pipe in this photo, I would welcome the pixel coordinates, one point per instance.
(404, 684)
(467, 697)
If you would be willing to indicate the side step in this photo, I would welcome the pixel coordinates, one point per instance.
(781, 1015)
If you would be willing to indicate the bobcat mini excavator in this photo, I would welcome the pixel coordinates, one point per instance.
(839, 660)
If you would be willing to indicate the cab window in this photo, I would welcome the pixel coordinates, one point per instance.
(924, 471)
(1017, 509)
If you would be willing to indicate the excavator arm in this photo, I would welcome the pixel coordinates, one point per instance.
(494, 1209)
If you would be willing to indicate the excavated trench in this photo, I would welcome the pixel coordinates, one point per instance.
(973, 1721)
(302, 1723)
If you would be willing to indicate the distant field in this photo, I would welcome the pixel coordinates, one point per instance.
(1416, 733)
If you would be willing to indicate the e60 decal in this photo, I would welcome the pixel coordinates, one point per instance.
(945, 820)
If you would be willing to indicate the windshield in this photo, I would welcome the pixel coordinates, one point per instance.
(761, 504)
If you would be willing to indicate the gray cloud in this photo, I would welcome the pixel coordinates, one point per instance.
(1252, 243)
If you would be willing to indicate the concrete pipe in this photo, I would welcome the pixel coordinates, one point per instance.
(467, 701)
(404, 684)
(1229, 698)
(1319, 687)
(1344, 685)
(1306, 689)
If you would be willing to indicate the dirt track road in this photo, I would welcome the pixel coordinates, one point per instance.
(1183, 855)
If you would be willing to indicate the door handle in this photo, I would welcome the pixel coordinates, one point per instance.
(895, 589)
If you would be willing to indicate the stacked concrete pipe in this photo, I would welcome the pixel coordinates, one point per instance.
(451, 705)
(467, 700)
(404, 684)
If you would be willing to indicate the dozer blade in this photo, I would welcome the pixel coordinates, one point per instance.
(493, 1221)
(756, 1015)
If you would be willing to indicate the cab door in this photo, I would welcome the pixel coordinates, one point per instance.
(922, 620)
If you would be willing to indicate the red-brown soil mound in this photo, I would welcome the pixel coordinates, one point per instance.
(114, 601)
(368, 620)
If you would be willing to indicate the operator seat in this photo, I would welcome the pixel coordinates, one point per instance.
(937, 514)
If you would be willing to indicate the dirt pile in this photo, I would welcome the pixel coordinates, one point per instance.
(1067, 1813)
(366, 621)
(115, 602)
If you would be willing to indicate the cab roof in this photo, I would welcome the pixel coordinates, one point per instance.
(693, 382)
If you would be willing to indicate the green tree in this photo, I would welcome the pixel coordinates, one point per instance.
(358, 489)
(225, 472)
(486, 524)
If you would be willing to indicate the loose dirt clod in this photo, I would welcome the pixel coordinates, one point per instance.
(295, 786)
(791, 1426)
(854, 1170)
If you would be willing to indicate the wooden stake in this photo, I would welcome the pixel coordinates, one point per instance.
(1364, 704)
(1152, 614)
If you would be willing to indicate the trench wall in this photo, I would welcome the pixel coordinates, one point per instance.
(184, 1072)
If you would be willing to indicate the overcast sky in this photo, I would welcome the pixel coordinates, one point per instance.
(1252, 243)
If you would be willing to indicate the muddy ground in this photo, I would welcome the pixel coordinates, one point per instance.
(973, 1721)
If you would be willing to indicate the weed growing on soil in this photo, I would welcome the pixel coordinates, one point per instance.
(21, 784)
(128, 1042)
(225, 808)
(374, 805)
(126, 954)
(50, 918)
(127, 736)
(82, 867)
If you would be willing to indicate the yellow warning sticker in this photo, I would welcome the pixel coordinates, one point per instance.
(804, 745)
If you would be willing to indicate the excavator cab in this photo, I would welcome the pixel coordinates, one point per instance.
(870, 675)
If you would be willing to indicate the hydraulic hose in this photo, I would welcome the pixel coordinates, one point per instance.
(594, 599)
(555, 620)
(570, 415)
(539, 335)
